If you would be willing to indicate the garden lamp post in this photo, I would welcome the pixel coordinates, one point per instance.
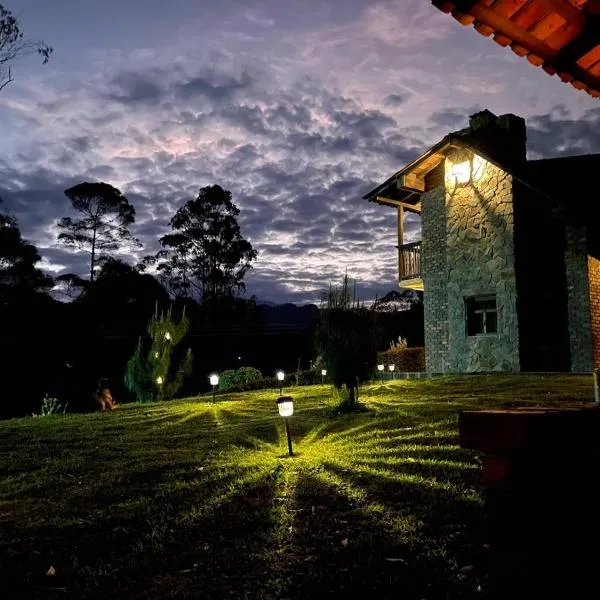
(391, 368)
(214, 381)
(280, 378)
(323, 374)
(285, 404)
(380, 368)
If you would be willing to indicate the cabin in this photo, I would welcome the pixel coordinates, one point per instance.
(509, 255)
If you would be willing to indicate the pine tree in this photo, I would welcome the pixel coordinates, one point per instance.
(150, 374)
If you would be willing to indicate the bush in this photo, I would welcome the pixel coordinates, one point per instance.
(308, 377)
(406, 360)
(263, 383)
(50, 406)
(243, 376)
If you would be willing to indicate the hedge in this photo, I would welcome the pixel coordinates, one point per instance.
(405, 360)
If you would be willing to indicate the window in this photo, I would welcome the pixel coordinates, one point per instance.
(482, 316)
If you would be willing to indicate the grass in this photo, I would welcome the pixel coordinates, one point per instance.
(190, 500)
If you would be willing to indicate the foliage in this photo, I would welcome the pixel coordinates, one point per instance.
(104, 223)
(13, 46)
(387, 495)
(346, 339)
(205, 255)
(18, 273)
(239, 377)
(400, 344)
(150, 374)
(406, 360)
(50, 406)
(308, 377)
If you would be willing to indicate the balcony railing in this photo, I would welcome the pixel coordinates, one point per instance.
(409, 256)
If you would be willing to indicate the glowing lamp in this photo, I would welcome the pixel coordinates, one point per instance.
(392, 367)
(280, 375)
(323, 372)
(214, 381)
(159, 380)
(285, 404)
(463, 167)
(380, 367)
(167, 336)
(156, 355)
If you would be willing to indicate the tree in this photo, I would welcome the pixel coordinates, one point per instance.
(104, 224)
(13, 46)
(346, 340)
(18, 273)
(149, 374)
(206, 252)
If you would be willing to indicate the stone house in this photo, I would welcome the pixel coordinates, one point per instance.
(508, 260)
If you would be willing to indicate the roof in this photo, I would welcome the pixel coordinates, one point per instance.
(561, 36)
(406, 185)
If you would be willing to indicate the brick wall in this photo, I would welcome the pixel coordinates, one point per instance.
(435, 278)
(578, 299)
(594, 288)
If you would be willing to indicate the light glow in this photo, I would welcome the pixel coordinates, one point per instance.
(280, 375)
(214, 379)
(323, 372)
(167, 335)
(391, 367)
(285, 404)
(159, 380)
(380, 367)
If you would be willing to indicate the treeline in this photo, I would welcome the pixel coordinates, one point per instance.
(61, 336)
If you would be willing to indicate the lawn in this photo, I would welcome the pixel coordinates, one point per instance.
(189, 500)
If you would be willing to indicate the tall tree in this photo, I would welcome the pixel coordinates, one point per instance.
(104, 224)
(206, 253)
(346, 339)
(18, 273)
(13, 46)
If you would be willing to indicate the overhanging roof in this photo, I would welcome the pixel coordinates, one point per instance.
(561, 36)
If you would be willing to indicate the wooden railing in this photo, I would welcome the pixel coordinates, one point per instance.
(409, 256)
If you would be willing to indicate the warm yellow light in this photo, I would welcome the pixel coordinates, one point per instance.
(463, 167)
(280, 375)
(380, 367)
(159, 380)
(323, 372)
(460, 172)
(214, 379)
(391, 367)
(167, 335)
(285, 404)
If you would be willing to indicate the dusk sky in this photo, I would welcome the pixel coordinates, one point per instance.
(297, 107)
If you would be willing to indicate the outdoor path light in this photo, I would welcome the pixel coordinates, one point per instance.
(214, 381)
(280, 378)
(380, 368)
(391, 368)
(323, 373)
(285, 404)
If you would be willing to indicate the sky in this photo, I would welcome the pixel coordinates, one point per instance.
(298, 107)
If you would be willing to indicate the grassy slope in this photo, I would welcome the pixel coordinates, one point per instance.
(186, 499)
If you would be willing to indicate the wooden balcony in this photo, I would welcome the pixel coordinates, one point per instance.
(409, 260)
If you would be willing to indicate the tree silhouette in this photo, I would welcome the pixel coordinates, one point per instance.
(206, 252)
(104, 224)
(18, 273)
(13, 46)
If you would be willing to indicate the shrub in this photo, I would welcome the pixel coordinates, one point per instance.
(243, 376)
(406, 360)
(308, 377)
(263, 383)
(149, 374)
(50, 406)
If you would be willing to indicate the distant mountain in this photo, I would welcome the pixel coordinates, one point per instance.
(290, 316)
(395, 301)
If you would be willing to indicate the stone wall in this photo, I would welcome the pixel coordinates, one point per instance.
(435, 274)
(578, 299)
(480, 261)
(594, 288)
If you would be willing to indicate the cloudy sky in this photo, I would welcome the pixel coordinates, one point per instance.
(298, 107)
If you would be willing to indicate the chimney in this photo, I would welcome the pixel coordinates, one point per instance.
(503, 137)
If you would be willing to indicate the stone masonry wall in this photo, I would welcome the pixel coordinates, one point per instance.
(578, 299)
(480, 260)
(594, 286)
(435, 277)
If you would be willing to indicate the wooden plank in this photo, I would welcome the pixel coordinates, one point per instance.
(537, 61)
(562, 36)
(595, 70)
(590, 59)
(507, 8)
(566, 10)
(502, 40)
(410, 180)
(415, 208)
(510, 29)
(484, 29)
(400, 225)
(544, 28)
(529, 15)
